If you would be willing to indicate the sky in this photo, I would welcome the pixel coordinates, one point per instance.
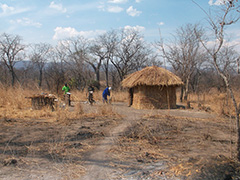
(47, 21)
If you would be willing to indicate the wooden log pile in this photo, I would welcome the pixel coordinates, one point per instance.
(43, 100)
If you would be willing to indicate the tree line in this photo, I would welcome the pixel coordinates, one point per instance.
(107, 58)
(110, 57)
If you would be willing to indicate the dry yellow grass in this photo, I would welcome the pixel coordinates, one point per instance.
(213, 101)
(117, 96)
(15, 105)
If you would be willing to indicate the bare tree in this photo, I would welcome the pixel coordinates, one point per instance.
(39, 55)
(98, 53)
(227, 59)
(11, 51)
(76, 54)
(184, 54)
(109, 42)
(228, 13)
(55, 73)
(55, 76)
(131, 53)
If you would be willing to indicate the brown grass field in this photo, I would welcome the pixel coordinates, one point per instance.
(14, 104)
(196, 143)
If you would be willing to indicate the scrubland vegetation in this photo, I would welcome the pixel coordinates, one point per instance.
(186, 146)
(199, 142)
(14, 102)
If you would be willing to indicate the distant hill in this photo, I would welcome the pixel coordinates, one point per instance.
(22, 64)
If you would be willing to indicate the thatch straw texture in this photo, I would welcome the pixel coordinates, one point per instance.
(154, 97)
(152, 76)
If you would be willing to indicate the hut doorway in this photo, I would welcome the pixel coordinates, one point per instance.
(130, 93)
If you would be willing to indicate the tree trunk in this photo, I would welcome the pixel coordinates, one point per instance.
(107, 79)
(106, 73)
(237, 121)
(97, 72)
(186, 90)
(181, 95)
(228, 87)
(238, 137)
(13, 78)
(40, 78)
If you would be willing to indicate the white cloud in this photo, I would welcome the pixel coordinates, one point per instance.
(138, 1)
(160, 23)
(62, 33)
(217, 2)
(133, 12)
(118, 1)
(136, 28)
(115, 9)
(8, 10)
(112, 9)
(68, 32)
(57, 7)
(26, 22)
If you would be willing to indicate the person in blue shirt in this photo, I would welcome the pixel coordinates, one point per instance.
(106, 93)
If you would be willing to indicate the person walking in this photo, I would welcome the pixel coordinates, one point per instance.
(90, 94)
(66, 94)
(106, 93)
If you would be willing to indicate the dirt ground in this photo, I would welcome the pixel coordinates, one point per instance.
(127, 144)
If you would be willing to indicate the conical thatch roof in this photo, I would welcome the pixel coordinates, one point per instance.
(152, 76)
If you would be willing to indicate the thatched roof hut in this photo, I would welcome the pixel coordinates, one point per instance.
(153, 88)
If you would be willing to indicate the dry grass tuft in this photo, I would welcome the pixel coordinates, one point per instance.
(78, 96)
(213, 102)
(62, 115)
(14, 98)
(82, 96)
(106, 111)
(14, 104)
(155, 133)
(119, 96)
(78, 109)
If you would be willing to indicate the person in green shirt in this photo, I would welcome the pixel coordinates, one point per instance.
(66, 88)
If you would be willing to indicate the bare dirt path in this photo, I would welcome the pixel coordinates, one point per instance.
(99, 165)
